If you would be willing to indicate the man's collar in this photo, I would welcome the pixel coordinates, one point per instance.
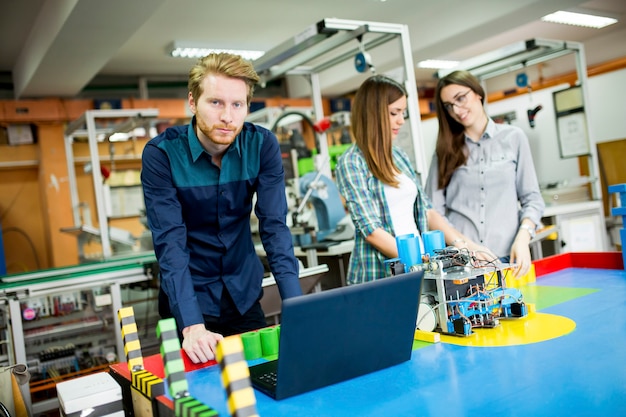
(196, 147)
(194, 143)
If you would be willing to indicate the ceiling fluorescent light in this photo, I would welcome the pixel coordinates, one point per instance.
(193, 51)
(437, 64)
(579, 19)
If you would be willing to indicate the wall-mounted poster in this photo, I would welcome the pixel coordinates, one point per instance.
(571, 122)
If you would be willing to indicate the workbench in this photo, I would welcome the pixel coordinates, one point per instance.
(574, 369)
(335, 255)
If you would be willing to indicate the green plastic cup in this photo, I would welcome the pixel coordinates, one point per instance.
(269, 341)
(252, 348)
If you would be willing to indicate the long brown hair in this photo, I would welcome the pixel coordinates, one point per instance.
(450, 147)
(371, 127)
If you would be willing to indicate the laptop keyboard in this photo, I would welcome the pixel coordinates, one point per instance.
(269, 378)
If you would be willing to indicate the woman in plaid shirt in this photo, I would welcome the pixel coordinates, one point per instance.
(382, 191)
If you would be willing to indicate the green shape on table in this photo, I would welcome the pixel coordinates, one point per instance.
(544, 296)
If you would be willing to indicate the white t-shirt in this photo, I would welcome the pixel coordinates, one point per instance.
(401, 202)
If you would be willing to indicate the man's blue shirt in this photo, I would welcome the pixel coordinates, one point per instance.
(199, 216)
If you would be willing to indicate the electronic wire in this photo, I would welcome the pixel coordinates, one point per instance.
(28, 239)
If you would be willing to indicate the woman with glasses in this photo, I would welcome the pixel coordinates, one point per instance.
(381, 189)
(482, 177)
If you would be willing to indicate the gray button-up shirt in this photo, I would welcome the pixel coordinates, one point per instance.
(488, 196)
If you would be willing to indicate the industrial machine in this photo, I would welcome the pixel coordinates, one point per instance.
(331, 224)
(317, 216)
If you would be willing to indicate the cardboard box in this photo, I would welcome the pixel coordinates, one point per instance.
(98, 392)
(20, 134)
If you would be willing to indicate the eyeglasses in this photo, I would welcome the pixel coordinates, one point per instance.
(460, 101)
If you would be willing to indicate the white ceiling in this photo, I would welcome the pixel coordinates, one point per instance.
(63, 48)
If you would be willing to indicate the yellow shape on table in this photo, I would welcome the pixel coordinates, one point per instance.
(534, 328)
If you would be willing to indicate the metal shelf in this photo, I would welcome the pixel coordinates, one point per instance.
(86, 126)
(62, 329)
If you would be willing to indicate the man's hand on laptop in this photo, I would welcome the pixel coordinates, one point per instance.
(199, 343)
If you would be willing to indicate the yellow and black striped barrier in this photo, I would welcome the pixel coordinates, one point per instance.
(132, 347)
(184, 404)
(236, 377)
(145, 386)
(147, 383)
(191, 407)
(173, 364)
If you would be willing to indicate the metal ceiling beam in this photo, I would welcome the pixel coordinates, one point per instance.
(318, 39)
(316, 49)
(307, 52)
(500, 61)
(367, 45)
(309, 37)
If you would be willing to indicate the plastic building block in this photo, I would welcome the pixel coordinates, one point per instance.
(424, 336)
(242, 403)
(236, 377)
(132, 347)
(173, 364)
(148, 384)
(191, 407)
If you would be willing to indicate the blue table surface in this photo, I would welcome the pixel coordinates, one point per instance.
(580, 374)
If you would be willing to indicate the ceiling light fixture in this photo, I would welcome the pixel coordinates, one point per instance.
(177, 50)
(437, 64)
(579, 19)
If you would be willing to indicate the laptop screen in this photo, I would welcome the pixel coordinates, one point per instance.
(338, 334)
